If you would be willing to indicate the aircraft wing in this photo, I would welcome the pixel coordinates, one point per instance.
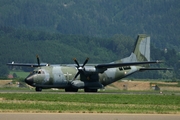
(27, 64)
(142, 69)
(112, 65)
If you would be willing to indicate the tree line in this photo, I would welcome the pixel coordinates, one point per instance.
(54, 48)
(103, 18)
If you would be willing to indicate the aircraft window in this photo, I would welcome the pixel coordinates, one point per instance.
(121, 68)
(125, 68)
(39, 72)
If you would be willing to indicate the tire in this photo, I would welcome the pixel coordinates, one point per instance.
(90, 90)
(38, 89)
(71, 90)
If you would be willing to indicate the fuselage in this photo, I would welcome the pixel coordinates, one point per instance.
(62, 76)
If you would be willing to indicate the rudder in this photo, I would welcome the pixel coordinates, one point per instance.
(141, 50)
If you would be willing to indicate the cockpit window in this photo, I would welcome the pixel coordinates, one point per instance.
(34, 72)
(38, 72)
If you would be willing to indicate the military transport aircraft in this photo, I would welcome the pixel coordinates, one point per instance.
(90, 77)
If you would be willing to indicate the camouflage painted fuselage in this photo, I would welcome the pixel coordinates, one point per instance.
(62, 77)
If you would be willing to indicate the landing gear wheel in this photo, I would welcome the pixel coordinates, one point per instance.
(71, 90)
(90, 90)
(38, 89)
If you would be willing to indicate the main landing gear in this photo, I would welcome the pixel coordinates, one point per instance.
(90, 90)
(38, 89)
(71, 90)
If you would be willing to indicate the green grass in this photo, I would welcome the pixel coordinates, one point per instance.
(91, 103)
(20, 74)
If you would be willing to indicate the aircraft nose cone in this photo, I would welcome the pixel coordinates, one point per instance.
(29, 80)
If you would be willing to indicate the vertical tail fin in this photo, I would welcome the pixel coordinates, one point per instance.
(141, 50)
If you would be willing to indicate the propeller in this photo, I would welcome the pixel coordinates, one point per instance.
(80, 68)
(41, 64)
(38, 61)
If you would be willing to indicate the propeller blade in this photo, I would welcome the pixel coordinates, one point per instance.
(76, 62)
(85, 62)
(76, 75)
(80, 68)
(38, 61)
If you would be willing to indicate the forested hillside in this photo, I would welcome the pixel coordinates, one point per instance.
(53, 48)
(104, 18)
(103, 30)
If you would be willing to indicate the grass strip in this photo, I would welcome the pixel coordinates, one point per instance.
(89, 103)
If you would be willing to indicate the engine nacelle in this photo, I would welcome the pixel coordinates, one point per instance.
(91, 85)
(92, 69)
(78, 84)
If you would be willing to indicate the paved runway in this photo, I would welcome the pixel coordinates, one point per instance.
(86, 116)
